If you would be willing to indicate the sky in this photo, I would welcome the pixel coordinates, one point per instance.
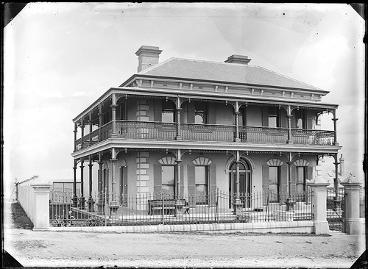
(60, 57)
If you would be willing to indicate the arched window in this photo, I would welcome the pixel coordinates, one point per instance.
(301, 167)
(168, 176)
(274, 176)
(201, 174)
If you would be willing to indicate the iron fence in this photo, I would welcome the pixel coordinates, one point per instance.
(161, 208)
(335, 209)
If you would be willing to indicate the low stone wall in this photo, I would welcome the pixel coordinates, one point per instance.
(267, 227)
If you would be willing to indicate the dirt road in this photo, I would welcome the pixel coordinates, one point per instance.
(32, 248)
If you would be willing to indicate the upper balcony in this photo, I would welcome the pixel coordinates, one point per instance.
(134, 119)
(146, 130)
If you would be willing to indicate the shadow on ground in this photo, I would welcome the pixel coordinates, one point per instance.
(19, 218)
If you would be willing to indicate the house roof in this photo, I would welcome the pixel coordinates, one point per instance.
(223, 72)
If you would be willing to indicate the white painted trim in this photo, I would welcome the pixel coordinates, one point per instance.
(201, 145)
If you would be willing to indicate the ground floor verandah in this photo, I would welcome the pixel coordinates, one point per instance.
(193, 174)
(153, 184)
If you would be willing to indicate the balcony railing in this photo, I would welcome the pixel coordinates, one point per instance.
(206, 132)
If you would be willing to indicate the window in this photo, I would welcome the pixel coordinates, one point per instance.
(168, 112)
(300, 181)
(273, 118)
(273, 183)
(272, 121)
(168, 180)
(201, 182)
(200, 113)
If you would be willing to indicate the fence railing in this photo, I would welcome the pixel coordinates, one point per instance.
(206, 132)
(214, 207)
(335, 209)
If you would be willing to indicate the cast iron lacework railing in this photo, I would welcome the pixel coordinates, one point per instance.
(152, 130)
(161, 208)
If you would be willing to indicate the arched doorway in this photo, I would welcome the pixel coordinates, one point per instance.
(245, 183)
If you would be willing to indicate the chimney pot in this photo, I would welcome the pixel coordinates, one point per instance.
(147, 56)
(238, 59)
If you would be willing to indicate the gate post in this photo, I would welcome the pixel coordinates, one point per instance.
(353, 223)
(319, 207)
(41, 218)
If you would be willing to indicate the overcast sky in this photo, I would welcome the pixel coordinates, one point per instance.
(60, 57)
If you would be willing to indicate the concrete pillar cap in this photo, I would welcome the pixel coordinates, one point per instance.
(350, 179)
(37, 180)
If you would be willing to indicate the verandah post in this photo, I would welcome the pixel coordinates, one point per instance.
(90, 199)
(75, 199)
(82, 185)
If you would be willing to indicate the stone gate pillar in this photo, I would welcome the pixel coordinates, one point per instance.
(41, 194)
(319, 207)
(353, 223)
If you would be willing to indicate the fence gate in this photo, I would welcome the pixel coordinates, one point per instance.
(335, 209)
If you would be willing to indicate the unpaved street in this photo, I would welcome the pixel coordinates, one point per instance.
(181, 249)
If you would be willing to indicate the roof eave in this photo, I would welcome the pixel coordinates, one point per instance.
(134, 76)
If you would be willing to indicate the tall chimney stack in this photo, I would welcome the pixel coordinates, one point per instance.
(147, 56)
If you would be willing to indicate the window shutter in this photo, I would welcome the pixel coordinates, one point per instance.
(107, 186)
(211, 114)
(191, 185)
(190, 112)
(181, 186)
(293, 178)
(157, 110)
(125, 185)
(293, 121)
(283, 118)
(212, 184)
(265, 180)
(157, 181)
(264, 117)
(283, 183)
(99, 185)
(309, 119)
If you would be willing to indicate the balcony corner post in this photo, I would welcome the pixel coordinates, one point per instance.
(75, 136)
(288, 115)
(236, 112)
(178, 119)
(113, 115)
(334, 119)
(82, 133)
(90, 128)
(99, 122)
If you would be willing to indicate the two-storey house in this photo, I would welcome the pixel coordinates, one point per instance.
(189, 128)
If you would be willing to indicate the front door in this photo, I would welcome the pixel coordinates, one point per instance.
(244, 185)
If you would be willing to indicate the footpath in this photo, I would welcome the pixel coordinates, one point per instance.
(189, 249)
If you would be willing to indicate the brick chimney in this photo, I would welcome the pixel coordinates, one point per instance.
(147, 56)
(238, 59)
